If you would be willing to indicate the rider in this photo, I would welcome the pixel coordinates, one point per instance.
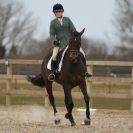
(60, 29)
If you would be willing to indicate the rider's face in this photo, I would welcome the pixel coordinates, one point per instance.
(58, 13)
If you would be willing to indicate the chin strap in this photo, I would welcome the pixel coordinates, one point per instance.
(60, 17)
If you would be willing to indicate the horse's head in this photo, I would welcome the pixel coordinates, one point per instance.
(74, 45)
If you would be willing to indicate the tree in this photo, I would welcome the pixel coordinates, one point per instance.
(95, 49)
(16, 26)
(122, 53)
(123, 23)
(37, 49)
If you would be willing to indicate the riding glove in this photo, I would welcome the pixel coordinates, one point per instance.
(56, 43)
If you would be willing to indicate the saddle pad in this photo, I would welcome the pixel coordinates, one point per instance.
(60, 64)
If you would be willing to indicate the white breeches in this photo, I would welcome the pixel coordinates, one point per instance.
(56, 50)
(81, 50)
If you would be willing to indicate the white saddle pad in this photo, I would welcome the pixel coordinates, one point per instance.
(60, 64)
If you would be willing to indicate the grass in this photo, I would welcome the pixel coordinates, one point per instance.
(110, 103)
(2, 99)
(99, 103)
(107, 103)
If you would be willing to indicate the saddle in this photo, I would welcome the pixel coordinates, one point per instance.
(59, 59)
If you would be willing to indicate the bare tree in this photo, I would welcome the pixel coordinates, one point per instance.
(124, 22)
(37, 49)
(122, 53)
(95, 49)
(16, 25)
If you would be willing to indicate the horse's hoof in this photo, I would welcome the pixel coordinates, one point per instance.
(67, 116)
(57, 122)
(86, 122)
(73, 124)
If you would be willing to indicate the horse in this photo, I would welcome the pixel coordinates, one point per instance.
(71, 75)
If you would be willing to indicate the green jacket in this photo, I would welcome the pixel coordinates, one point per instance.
(61, 32)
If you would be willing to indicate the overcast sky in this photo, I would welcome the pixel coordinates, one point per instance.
(95, 15)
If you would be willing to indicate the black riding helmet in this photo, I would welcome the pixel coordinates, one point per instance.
(58, 7)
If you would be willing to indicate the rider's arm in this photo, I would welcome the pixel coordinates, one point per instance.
(52, 32)
(71, 25)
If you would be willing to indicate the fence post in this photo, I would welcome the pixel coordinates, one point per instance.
(8, 83)
(89, 82)
(132, 92)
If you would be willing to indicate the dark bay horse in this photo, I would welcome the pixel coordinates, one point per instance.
(71, 75)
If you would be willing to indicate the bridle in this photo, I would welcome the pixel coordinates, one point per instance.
(73, 55)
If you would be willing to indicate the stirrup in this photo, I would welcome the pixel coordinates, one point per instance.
(51, 77)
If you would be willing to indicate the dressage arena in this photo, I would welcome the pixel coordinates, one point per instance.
(25, 111)
(37, 119)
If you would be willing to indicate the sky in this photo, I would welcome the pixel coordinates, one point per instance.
(94, 15)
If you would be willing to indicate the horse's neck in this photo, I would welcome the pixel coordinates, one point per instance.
(70, 65)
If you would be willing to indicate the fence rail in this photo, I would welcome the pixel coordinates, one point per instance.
(9, 76)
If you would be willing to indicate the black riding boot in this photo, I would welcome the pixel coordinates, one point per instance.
(87, 75)
(54, 67)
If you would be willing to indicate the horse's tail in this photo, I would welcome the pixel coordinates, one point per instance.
(36, 80)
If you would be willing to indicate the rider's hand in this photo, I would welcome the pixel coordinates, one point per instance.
(56, 43)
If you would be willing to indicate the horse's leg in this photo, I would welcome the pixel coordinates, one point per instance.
(69, 105)
(83, 87)
(52, 100)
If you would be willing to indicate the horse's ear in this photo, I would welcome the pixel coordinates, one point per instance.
(81, 33)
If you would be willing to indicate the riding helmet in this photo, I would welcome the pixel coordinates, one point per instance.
(58, 7)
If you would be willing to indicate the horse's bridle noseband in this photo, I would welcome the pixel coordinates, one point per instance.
(73, 54)
(76, 51)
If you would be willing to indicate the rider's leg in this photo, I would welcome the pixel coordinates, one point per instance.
(54, 64)
(81, 50)
(55, 52)
(87, 75)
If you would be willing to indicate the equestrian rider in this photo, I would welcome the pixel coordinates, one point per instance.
(60, 29)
